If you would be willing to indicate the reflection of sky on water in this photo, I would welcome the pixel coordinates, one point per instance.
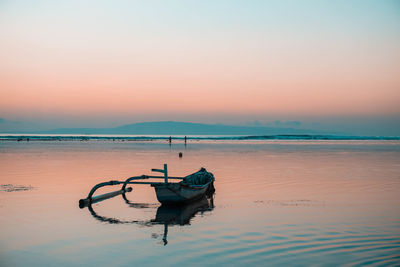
(279, 202)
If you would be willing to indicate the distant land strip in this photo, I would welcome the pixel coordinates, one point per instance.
(5, 137)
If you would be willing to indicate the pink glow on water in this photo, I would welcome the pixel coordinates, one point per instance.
(275, 201)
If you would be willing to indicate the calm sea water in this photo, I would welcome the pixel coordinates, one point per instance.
(276, 202)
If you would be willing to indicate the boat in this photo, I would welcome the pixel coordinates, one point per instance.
(190, 188)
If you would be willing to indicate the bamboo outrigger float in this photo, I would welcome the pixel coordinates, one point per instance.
(190, 188)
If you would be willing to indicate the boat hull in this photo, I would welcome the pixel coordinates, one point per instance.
(178, 193)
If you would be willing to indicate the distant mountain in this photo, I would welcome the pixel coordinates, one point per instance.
(182, 128)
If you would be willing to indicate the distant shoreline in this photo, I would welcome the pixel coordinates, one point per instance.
(83, 137)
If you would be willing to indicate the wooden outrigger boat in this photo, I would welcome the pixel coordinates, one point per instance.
(190, 188)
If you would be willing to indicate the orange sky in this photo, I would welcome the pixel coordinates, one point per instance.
(69, 59)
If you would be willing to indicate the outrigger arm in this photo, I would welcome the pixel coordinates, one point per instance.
(93, 199)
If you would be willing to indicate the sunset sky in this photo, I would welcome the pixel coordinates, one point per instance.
(106, 63)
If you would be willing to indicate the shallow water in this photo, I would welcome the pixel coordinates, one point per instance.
(276, 202)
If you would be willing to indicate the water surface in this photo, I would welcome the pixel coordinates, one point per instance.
(276, 202)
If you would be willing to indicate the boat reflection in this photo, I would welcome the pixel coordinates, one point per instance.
(166, 214)
(181, 215)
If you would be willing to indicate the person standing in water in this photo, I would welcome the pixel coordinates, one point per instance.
(185, 140)
(170, 140)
